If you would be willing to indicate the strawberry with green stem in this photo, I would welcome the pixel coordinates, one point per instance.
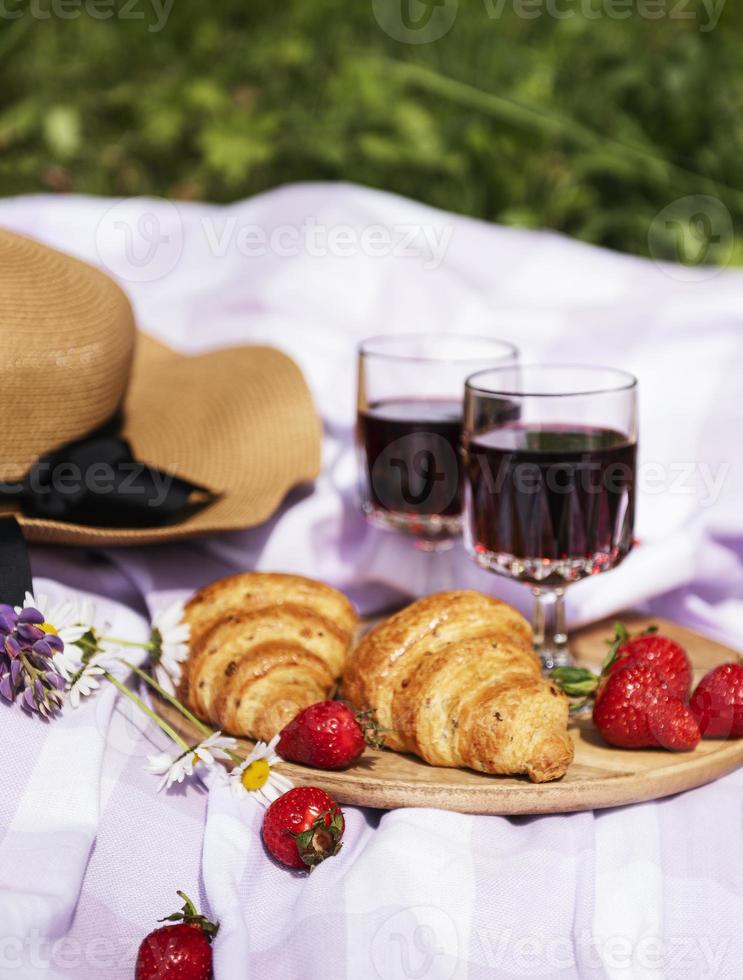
(639, 696)
(329, 735)
(650, 648)
(178, 951)
(303, 827)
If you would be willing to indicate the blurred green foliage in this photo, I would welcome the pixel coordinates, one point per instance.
(586, 124)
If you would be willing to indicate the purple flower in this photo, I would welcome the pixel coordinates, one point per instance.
(43, 648)
(6, 687)
(7, 620)
(30, 615)
(27, 671)
(28, 632)
(56, 680)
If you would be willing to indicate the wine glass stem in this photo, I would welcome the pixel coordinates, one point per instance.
(550, 635)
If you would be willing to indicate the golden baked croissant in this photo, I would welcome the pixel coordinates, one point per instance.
(263, 647)
(453, 678)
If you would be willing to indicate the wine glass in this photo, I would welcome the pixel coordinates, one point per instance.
(409, 428)
(550, 456)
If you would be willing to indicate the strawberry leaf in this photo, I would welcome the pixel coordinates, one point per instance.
(370, 729)
(621, 635)
(322, 840)
(190, 916)
(576, 682)
(579, 683)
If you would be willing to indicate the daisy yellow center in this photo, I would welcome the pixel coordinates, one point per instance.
(255, 775)
(48, 628)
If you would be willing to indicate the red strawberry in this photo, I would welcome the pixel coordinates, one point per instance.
(178, 952)
(717, 703)
(635, 707)
(327, 735)
(303, 827)
(665, 655)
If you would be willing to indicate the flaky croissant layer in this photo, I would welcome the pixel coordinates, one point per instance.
(263, 647)
(454, 679)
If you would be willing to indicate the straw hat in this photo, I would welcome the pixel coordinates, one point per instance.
(238, 423)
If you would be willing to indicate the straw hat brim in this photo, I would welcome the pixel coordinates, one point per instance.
(239, 421)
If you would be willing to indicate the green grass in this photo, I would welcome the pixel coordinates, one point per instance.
(588, 126)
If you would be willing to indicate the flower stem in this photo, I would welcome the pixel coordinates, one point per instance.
(171, 732)
(29, 668)
(204, 729)
(126, 643)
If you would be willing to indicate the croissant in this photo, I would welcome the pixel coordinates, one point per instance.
(263, 647)
(453, 678)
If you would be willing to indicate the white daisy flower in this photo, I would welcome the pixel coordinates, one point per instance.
(217, 746)
(84, 683)
(257, 775)
(70, 619)
(170, 636)
(172, 770)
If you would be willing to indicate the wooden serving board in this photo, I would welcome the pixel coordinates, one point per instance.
(600, 776)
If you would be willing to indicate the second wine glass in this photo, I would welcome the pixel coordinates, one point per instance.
(409, 429)
(550, 453)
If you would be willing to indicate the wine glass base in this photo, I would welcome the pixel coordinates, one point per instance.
(545, 573)
(551, 659)
(432, 532)
(434, 545)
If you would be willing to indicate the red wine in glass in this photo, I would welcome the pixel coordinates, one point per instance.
(551, 504)
(411, 457)
(550, 494)
(409, 428)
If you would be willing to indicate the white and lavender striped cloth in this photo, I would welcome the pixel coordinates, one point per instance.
(92, 855)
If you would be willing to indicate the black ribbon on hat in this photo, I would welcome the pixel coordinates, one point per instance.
(15, 569)
(97, 481)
